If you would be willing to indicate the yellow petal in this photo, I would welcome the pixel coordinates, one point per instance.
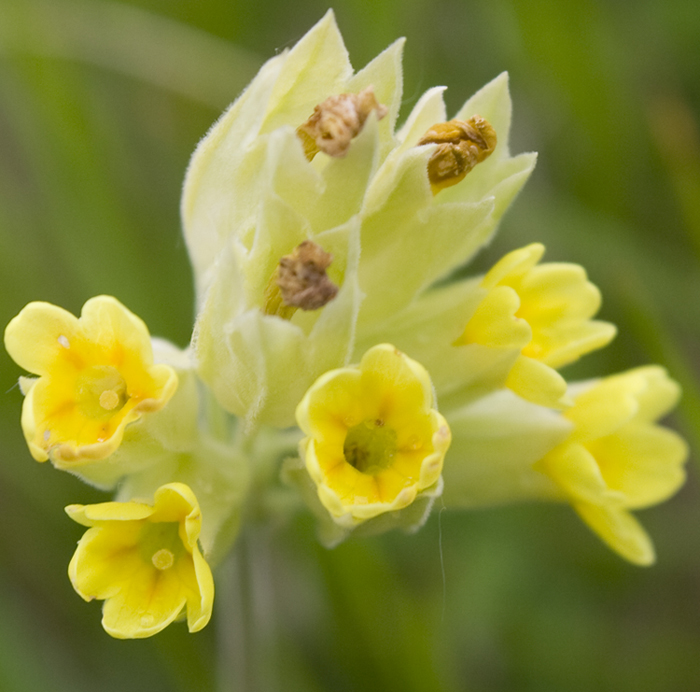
(514, 264)
(616, 459)
(173, 503)
(575, 470)
(494, 323)
(659, 395)
(620, 530)
(327, 418)
(393, 383)
(107, 558)
(29, 427)
(551, 305)
(104, 321)
(557, 291)
(538, 383)
(566, 342)
(38, 335)
(147, 604)
(91, 515)
(605, 407)
(97, 377)
(643, 462)
(200, 598)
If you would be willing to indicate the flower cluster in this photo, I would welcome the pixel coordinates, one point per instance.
(331, 363)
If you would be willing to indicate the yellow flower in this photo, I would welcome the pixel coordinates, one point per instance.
(144, 562)
(96, 375)
(617, 459)
(374, 439)
(543, 311)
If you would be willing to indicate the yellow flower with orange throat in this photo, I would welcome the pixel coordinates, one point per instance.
(144, 561)
(375, 441)
(96, 376)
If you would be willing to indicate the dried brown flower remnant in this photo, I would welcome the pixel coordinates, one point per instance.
(336, 121)
(461, 145)
(300, 281)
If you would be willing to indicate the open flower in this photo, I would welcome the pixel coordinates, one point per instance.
(144, 562)
(96, 375)
(617, 458)
(374, 439)
(544, 313)
(510, 328)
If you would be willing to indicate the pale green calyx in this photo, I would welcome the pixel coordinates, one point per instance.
(252, 196)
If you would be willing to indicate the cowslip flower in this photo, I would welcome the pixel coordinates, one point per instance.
(543, 313)
(375, 441)
(144, 562)
(617, 458)
(512, 328)
(96, 376)
(252, 198)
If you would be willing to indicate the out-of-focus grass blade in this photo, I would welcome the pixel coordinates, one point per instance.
(79, 211)
(21, 669)
(674, 130)
(132, 41)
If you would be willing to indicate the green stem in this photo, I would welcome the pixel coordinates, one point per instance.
(246, 617)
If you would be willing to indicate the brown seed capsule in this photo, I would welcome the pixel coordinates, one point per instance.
(300, 281)
(461, 145)
(336, 121)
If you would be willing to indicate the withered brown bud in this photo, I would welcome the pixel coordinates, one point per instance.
(462, 144)
(300, 281)
(336, 121)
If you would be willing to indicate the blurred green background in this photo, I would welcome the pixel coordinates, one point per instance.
(101, 105)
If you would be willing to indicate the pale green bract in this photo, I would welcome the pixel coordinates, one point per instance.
(399, 389)
(251, 196)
